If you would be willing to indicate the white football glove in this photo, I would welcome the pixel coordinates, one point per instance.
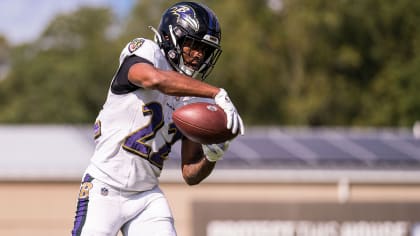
(234, 121)
(214, 152)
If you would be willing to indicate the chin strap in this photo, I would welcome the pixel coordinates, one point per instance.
(158, 38)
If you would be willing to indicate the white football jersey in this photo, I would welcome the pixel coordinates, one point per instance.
(134, 131)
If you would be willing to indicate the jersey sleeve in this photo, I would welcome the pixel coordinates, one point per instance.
(120, 84)
(138, 50)
(141, 47)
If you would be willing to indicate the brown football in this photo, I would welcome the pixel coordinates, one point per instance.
(203, 123)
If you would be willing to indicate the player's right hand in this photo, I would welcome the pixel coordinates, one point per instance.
(214, 152)
(234, 121)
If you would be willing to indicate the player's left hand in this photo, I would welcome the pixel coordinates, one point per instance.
(214, 152)
(234, 121)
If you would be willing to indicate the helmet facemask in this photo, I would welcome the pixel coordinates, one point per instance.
(183, 53)
(198, 56)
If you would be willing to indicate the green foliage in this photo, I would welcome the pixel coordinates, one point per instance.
(64, 75)
(313, 62)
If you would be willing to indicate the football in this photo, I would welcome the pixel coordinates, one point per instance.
(203, 123)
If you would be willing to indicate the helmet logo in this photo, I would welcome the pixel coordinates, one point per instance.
(187, 14)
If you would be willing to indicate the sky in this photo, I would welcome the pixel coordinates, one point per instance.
(22, 21)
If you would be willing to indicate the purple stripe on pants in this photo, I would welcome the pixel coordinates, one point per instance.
(82, 207)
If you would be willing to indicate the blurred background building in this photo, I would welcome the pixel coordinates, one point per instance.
(272, 181)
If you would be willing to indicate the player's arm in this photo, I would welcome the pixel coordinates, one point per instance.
(195, 166)
(176, 84)
(169, 82)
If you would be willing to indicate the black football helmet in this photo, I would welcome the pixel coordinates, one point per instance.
(196, 26)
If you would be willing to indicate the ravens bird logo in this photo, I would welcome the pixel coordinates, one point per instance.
(186, 15)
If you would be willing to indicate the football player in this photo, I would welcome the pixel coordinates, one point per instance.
(134, 131)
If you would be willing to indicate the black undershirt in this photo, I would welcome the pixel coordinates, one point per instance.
(120, 84)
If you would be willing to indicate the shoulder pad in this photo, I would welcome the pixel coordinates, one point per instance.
(140, 47)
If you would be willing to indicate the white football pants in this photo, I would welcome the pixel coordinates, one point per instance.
(103, 211)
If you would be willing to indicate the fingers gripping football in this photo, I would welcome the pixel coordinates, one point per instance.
(234, 121)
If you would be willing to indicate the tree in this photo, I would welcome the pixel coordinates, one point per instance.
(309, 62)
(63, 76)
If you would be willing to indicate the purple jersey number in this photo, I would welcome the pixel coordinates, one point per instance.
(136, 142)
